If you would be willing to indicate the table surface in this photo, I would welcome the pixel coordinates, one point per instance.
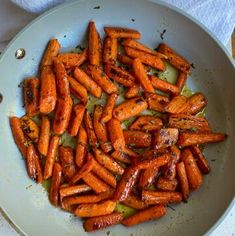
(8, 16)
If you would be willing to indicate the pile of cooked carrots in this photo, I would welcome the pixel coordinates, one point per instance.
(155, 161)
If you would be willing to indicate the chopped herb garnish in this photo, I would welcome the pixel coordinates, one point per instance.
(192, 65)
(162, 34)
(97, 7)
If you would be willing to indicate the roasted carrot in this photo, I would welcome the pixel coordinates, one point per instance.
(176, 104)
(55, 184)
(18, 135)
(62, 115)
(118, 32)
(121, 156)
(119, 75)
(190, 139)
(133, 91)
(193, 173)
(73, 190)
(44, 136)
(38, 165)
(108, 109)
(137, 139)
(51, 51)
(110, 50)
(129, 108)
(76, 119)
(183, 180)
(147, 177)
(181, 80)
(148, 214)
(31, 96)
(47, 99)
(94, 45)
(174, 58)
(81, 148)
(101, 222)
(134, 202)
(116, 134)
(76, 200)
(156, 102)
(166, 184)
(124, 59)
(51, 156)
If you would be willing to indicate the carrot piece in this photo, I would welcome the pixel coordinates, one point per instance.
(145, 58)
(190, 139)
(47, 99)
(75, 200)
(146, 123)
(87, 82)
(55, 184)
(118, 32)
(121, 156)
(163, 85)
(116, 134)
(95, 183)
(141, 76)
(166, 184)
(101, 222)
(73, 190)
(44, 136)
(62, 115)
(62, 82)
(124, 59)
(183, 180)
(110, 50)
(193, 173)
(78, 90)
(101, 79)
(108, 162)
(100, 130)
(30, 128)
(147, 177)
(133, 91)
(98, 209)
(104, 174)
(165, 137)
(76, 119)
(18, 135)
(185, 122)
(137, 138)
(81, 148)
(31, 96)
(181, 80)
(71, 60)
(202, 163)
(129, 108)
(156, 197)
(148, 214)
(94, 45)
(51, 51)
(66, 157)
(134, 202)
(108, 109)
(38, 165)
(156, 102)
(126, 184)
(85, 169)
(176, 104)
(174, 58)
(119, 75)
(51, 156)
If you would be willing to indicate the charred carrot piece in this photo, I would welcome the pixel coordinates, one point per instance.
(133, 91)
(51, 156)
(147, 177)
(141, 76)
(78, 90)
(116, 134)
(76, 119)
(100, 129)
(183, 180)
(47, 99)
(145, 58)
(108, 109)
(118, 32)
(124, 59)
(87, 82)
(166, 184)
(134, 202)
(81, 148)
(129, 108)
(62, 115)
(193, 173)
(31, 96)
(181, 80)
(110, 50)
(55, 184)
(156, 197)
(101, 222)
(190, 139)
(18, 134)
(75, 200)
(176, 104)
(73, 190)
(174, 58)
(121, 156)
(156, 102)
(51, 51)
(137, 138)
(148, 214)
(44, 136)
(94, 45)
(98, 209)
(119, 75)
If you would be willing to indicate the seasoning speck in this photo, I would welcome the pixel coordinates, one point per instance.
(213, 160)
(108, 233)
(65, 36)
(1, 97)
(192, 65)
(172, 208)
(21, 85)
(20, 53)
(133, 20)
(162, 34)
(79, 46)
(27, 187)
(97, 7)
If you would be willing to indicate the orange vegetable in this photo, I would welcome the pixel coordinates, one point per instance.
(108, 109)
(147, 177)
(68, 201)
(183, 180)
(181, 80)
(156, 102)
(166, 184)
(81, 148)
(110, 50)
(44, 136)
(134, 202)
(118, 32)
(176, 104)
(73, 190)
(124, 59)
(137, 138)
(121, 156)
(133, 91)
